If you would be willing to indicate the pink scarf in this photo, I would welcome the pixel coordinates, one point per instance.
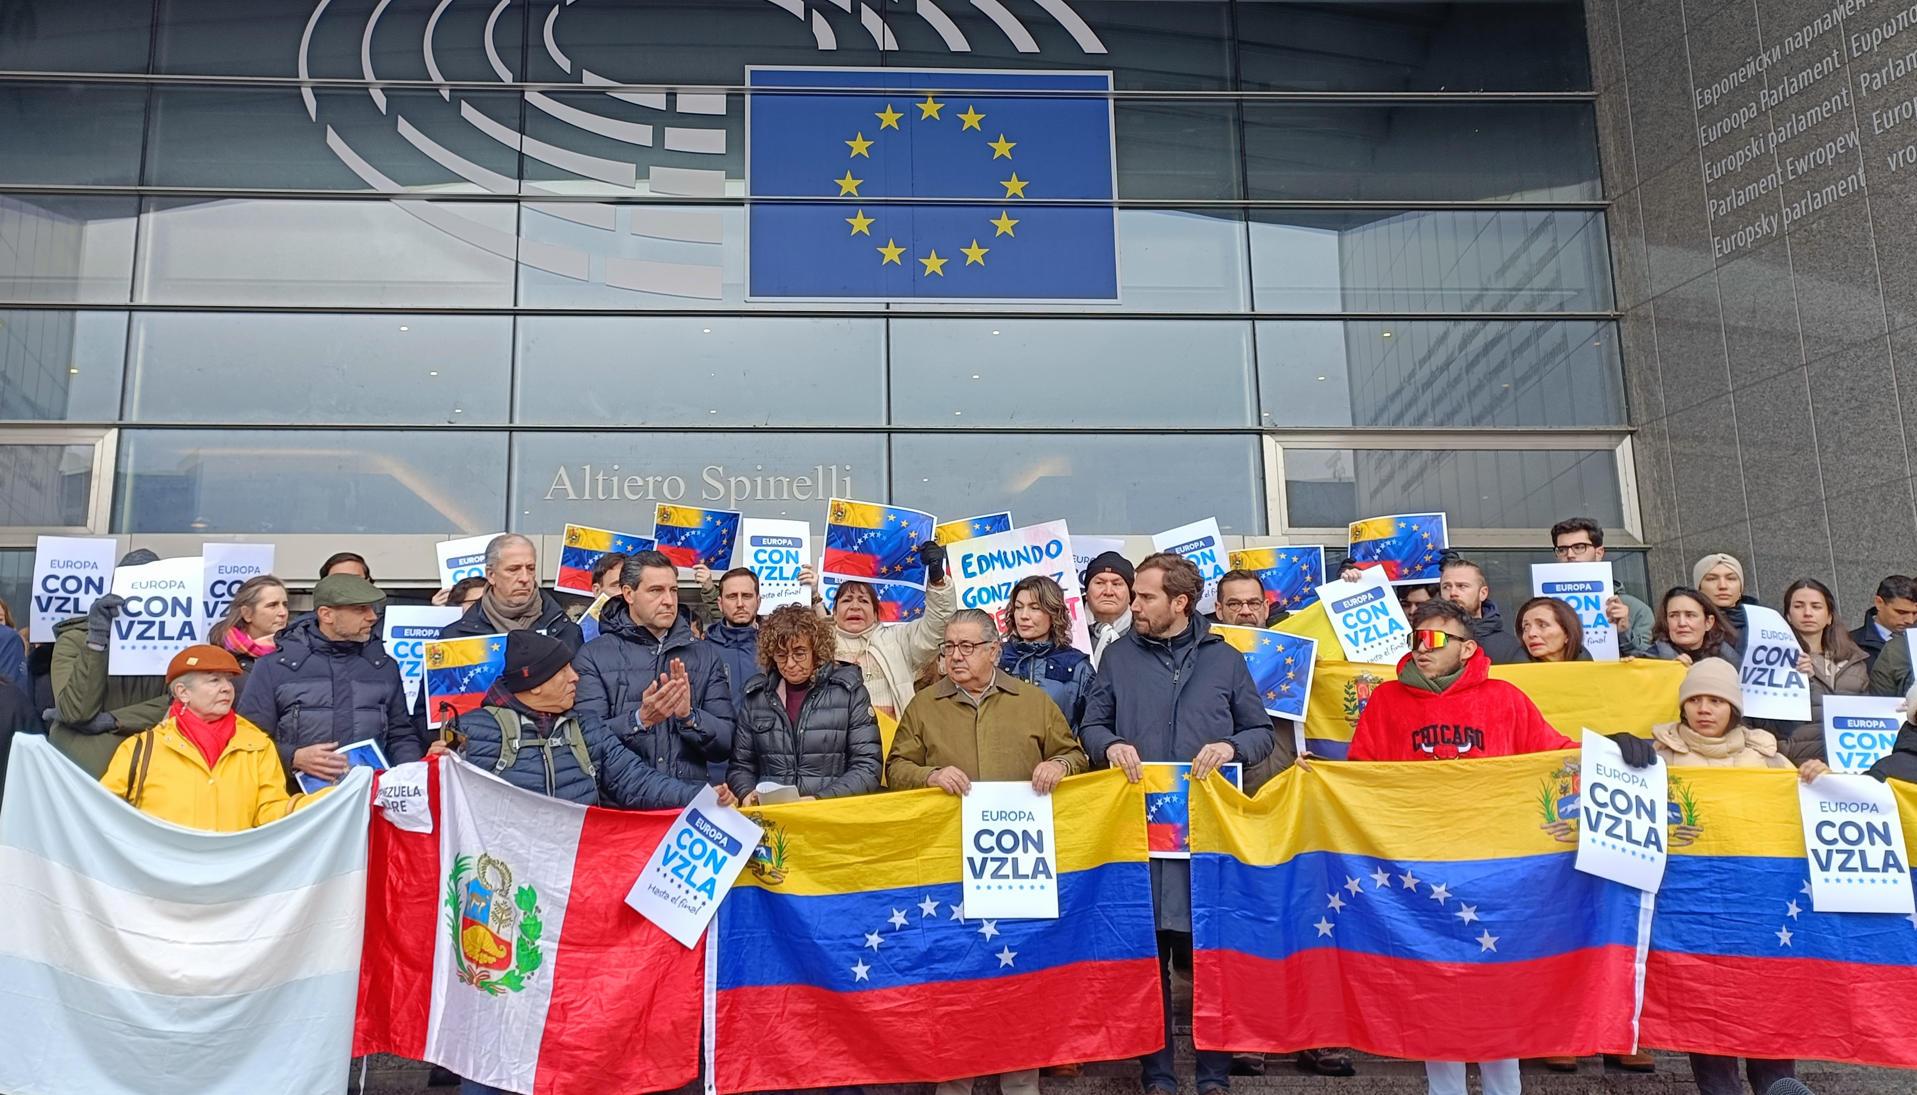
(239, 642)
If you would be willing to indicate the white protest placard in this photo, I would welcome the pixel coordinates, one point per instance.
(986, 568)
(1367, 617)
(1855, 843)
(1010, 853)
(1585, 587)
(227, 568)
(408, 629)
(69, 574)
(160, 618)
(1203, 544)
(1859, 731)
(462, 558)
(1773, 687)
(1087, 548)
(776, 551)
(1621, 816)
(402, 798)
(694, 866)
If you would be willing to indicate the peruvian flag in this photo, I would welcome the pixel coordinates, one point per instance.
(500, 945)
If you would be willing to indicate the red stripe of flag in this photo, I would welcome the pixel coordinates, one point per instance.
(574, 578)
(680, 554)
(852, 563)
(402, 927)
(1781, 1008)
(1567, 1005)
(781, 1037)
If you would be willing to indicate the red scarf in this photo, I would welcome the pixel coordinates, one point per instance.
(209, 737)
(239, 642)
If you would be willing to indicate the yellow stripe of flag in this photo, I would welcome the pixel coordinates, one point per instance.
(1373, 528)
(590, 539)
(679, 516)
(856, 514)
(445, 653)
(1253, 559)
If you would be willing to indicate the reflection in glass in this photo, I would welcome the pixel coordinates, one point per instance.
(299, 369)
(97, 36)
(1071, 372)
(65, 250)
(264, 38)
(1515, 260)
(48, 486)
(1177, 152)
(333, 481)
(1101, 484)
(1419, 373)
(61, 365)
(69, 134)
(1417, 45)
(1175, 45)
(1476, 488)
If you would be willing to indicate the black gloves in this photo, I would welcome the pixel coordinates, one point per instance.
(1638, 752)
(100, 620)
(933, 556)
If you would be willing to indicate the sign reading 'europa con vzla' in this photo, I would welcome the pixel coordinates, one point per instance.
(713, 483)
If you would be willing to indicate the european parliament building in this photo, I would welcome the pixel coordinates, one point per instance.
(374, 273)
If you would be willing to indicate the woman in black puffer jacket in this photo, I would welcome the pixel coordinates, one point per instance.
(808, 720)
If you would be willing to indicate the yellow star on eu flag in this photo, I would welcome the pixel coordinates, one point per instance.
(971, 118)
(1004, 225)
(1001, 148)
(849, 185)
(1014, 186)
(974, 253)
(859, 145)
(888, 118)
(929, 108)
(891, 251)
(860, 223)
(933, 265)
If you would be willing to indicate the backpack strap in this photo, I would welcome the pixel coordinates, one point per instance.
(144, 746)
(509, 731)
(576, 738)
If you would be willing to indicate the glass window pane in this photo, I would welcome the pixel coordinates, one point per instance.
(635, 371)
(337, 253)
(1535, 152)
(1365, 45)
(16, 585)
(594, 142)
(299, 369)
(1476, 488)
(48, 486)
(65, 250)
(264, 138)
(61, 365)
(70, 134)
(1177, 152)
(1516, 260)
(264, 38)
(1509, 573)
(1061, 372)
(1479, 372)
(692, 41)
(1104, 485)
(612, 480)
(97, 36)
(332, 481)
(1148, 44)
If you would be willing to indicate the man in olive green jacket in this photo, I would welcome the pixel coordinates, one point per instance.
(93, 712)
(978, 723)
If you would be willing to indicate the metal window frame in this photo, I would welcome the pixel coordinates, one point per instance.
(104, 441)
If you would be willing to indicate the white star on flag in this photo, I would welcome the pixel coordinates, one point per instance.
(873, 939)
(1439, 892)
(1410, 881)
(1805, 888)
(1913, 919)
(1324, 927)
(1487, 942)
(988, 929)
(958, 912)
(860, 971)
(1783, 937)
(1332, 900)
(928, 907)
(1466, 913)
(1005, 957)
(1354, 885)
(898, 918)
(1792, 908)
(1380, 878)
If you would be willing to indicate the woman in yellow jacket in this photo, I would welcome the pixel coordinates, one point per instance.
(203, 767)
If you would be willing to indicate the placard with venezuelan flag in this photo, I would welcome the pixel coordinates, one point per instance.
(1280, 666)
(986, 524)
(459, 672)
(584, 548)
(844, 957)
(1741, 965)
(1291, 575)
(867, 540)
(1423, 911)
(693, 537)
(1409, 546)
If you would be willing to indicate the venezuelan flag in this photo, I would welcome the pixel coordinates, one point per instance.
(1409, 546)
(692, 537)
(1291, 575)
(1610, 697)
(873, 540)
(1312, 623)
(1412, 910)
(844, 958)
(898, 603)
(585, 547)
(988, 524)
(459, 672)
(1740, 963)
(1280, 666)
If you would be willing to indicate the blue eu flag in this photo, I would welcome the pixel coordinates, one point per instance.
(930, 185)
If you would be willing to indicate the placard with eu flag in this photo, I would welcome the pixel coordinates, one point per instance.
(932, 184)
(1409, 546)
(1280, 665)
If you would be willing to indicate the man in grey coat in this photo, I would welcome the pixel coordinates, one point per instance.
(1171, 691)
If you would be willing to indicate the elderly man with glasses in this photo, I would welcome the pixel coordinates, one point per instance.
(1581, 540)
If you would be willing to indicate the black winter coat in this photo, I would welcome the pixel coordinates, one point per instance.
(614, 671)
(1502, 647)
(834, 752)
(1901, 761)
(738, 648)
(312, 690)
(619, 778)
(553, 622)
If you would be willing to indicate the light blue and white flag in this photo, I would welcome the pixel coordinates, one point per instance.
(140, 956)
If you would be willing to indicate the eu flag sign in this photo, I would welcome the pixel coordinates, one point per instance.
(934, 184)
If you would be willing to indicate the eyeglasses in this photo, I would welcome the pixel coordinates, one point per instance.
(1244, 606)
(793, 654)
(963, 650)
(1569, 551)
(1426, 639)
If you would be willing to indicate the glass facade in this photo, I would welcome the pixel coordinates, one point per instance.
(404, 267)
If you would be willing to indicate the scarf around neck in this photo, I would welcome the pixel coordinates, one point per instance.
(1731, 744)
(209, 737)
(239, 642)
(511, 621)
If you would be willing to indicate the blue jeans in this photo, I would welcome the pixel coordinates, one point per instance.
(1214, 1066)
